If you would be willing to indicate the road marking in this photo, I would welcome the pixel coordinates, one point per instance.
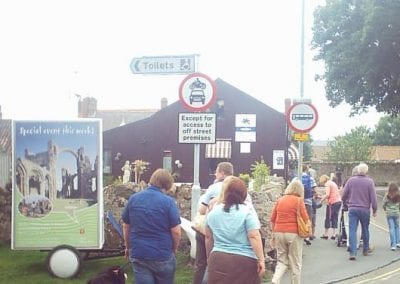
(378, 277)
(379, 226)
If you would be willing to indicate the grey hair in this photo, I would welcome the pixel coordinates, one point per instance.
(354, 171)
(362, 169)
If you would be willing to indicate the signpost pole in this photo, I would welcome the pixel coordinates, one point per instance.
(196, 183)
(300, 161)
(197, 92)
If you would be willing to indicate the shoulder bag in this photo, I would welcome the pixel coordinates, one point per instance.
(304, 228)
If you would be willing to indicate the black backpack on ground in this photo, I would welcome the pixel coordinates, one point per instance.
(112, 275)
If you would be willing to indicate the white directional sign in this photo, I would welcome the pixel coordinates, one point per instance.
(197, 128)
(302, 117)
(184, 64)
(245, 127)
(197, 92)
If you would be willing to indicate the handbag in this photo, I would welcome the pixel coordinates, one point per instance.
(304, 228)
(199, 223)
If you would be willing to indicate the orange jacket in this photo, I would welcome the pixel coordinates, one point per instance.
(284, 214)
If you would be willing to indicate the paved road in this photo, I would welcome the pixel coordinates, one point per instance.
(324, 262)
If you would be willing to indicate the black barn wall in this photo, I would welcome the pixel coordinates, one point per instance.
(147, 139)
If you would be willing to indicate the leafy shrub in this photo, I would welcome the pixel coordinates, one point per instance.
(245, 178)
(260, 173)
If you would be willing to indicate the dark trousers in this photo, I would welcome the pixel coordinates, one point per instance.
(332, 215)
(201, 259)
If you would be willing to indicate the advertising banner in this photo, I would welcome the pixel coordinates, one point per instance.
(57, 184)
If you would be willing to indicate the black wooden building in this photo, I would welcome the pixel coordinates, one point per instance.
(155, 139)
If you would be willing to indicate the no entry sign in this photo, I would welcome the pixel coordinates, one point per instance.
(197, 92)
(302, 117)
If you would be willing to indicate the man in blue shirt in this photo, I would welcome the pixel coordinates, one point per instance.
(152, 231)
(223, 170)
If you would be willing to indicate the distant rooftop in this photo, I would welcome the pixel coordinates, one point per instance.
(87, 108)
(116, 118)
(320, 143)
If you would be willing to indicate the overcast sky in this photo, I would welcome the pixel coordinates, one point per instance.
(51, 50)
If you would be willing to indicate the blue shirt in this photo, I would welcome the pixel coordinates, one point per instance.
(151, 214)
(212, 191)
(230, 229)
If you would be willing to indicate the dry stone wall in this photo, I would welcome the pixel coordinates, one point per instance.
(116, 197)
(5, 215)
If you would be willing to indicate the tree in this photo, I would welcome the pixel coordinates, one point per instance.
(359, 42)
(353, 146)
(387, 131)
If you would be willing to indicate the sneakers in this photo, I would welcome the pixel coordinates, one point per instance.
(393, 248)
(307, 242)
(398, 245)
(352, 258)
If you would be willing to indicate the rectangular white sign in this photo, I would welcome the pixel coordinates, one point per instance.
(197, 128)
(279, 159)
(245, 120)
(245, 136)
(184, 64)
(245, 128)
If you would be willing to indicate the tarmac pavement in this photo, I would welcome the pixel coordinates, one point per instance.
(325, 262)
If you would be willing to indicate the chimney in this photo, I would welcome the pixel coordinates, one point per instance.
(164, 102)
(87, 107)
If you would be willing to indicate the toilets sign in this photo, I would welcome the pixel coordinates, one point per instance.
(154, 65)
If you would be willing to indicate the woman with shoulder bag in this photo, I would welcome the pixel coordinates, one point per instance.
(288, 242)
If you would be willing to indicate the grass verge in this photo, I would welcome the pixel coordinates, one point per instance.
(30, 267)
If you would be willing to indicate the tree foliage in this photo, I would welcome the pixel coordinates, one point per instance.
(387, 131)
(359, 42)
(353, 146)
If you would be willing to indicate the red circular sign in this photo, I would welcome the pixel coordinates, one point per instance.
(302, 117)
(197, 92)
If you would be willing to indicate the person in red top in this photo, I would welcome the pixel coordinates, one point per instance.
(289, 245)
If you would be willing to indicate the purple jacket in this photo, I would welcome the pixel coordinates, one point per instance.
(359, 192)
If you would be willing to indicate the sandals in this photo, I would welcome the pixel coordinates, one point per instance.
(324, 237)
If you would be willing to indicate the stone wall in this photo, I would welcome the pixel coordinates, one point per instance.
(116, 197)
(381, 172)
(5, 215)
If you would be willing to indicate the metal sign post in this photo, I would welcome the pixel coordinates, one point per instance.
(197, 92)
(202, 131)
(302, 117)
(196, 184)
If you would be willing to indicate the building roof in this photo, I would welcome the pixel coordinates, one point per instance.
(385, 153)
(378, 153)
(115, 118)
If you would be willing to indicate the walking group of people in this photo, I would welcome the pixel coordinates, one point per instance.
(229, 248)
(358, 197)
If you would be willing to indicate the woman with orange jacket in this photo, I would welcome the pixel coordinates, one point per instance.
(288, 243)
